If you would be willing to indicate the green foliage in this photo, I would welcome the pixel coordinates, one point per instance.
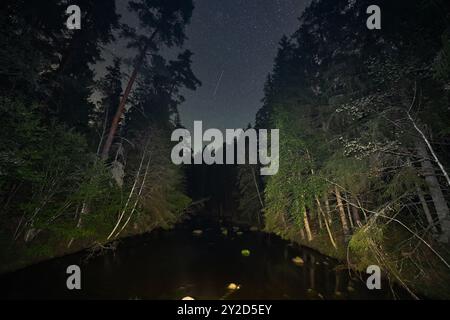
(162, 200)
(46, 157)
(340, 99)
(365, 244)
(56, 169)
(55, 192)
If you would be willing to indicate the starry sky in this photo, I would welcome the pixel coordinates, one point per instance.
(234, 44)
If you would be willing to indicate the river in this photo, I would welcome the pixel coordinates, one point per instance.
(175, 263)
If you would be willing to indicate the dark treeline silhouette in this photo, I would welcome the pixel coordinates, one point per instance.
(216, 185)
(229, 190)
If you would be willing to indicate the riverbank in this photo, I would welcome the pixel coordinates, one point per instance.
(424, 274)
(19, 255)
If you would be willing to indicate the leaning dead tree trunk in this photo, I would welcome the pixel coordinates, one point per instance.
(319, 218)
(436, 193)
(144, 180)
(341, 211)
(328, 210)
(129, 197)
(123, 101)
(330, 235)
(121, 108)
(83, 212)
(366, 218)
(430, 148)
(306, 224)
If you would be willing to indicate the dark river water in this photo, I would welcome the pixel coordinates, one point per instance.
(174, 264)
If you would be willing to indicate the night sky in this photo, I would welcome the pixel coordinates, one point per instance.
(234, 44)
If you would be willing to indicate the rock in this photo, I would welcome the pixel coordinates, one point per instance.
(350, 289)
(298, 261)
(233, 286)
(197, 232)
(320, 296)
(188, 298)
(245, 252)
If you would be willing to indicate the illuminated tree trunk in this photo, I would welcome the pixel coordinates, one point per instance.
(122, 214)
(341, 212)
(319, 217)
(330, 235)
(306, 224)
(328, 210)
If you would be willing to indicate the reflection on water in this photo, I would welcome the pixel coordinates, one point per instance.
(173, 264)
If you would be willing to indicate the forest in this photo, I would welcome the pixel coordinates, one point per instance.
(364, 124)
(364, 136)
(75, 173)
